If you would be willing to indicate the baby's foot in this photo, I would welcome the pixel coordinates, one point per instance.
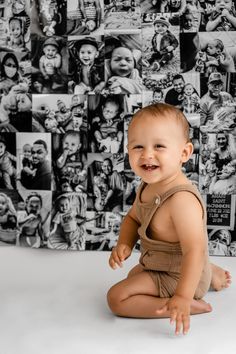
(200, 306)
(221, 278)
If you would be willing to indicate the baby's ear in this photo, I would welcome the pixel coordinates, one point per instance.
(187, 152)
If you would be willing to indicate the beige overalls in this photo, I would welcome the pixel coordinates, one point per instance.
(163, 259)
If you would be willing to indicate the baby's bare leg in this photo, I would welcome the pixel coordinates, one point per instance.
(137, 297)
(221, 278)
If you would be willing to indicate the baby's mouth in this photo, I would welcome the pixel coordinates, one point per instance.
(149, 167)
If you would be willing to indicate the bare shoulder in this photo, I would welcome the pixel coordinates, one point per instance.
(186, 203)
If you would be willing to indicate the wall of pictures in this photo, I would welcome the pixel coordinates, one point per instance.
(72, 74)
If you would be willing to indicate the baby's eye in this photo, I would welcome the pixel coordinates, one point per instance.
(159, 146)
(137, 147)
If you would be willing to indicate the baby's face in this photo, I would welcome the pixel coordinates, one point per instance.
(156, 148)
(211, 48)
(27, 152)
(232, 249)
(62, 107)
(18, 6)
(188, 21)
(110, 110)
(77, 121)
(75, 100)
(213, 158)
(87, 54)
(15, 28)
(223, 4)
(160, 28)
(188, 90)
(175, 3)
(122, 62)
(91, 25)
(64, 205)
(50, 51)
(2, 148)
(72, 144)
(51, 124)
(3, 205)
(158, 97)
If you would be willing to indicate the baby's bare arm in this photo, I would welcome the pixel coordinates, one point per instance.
(212, 24)
(127, 239)
(57, 61)
(186, 215)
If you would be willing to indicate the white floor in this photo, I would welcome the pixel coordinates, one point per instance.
(55, 303)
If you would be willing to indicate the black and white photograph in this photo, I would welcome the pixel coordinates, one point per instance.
(208, 52)
(8, 217)
(102, 230)
(68, 219)
(85, 17)
(15, 25)
(69, 162)
(33, 218)
(217, 104)
(49, 65)
(160, 45)
(218, 163)
(8, 161)
(48, 18)
(15, 99)
(59, 113)
(123, 62)
(122, 14)
(34, 161)
(86, 65)
(106, 123)
(105, 182)
(221, 224)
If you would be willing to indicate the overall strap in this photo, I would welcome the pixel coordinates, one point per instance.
(186, 188)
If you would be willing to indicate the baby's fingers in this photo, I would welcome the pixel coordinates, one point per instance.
(186, 324)
(115, 260)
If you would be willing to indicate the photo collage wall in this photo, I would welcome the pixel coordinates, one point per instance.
(72, 74)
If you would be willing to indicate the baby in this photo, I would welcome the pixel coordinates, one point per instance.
(91, 12)
(213, 58)
(121, 73)
(90, 73)
(169, 217)
(19, 8)
(7, 213)
(27, 163)
(158, 96)
(189, 22)
(79, 177)
(191, 100)
(223, 18)
(100, 189)
(66, 218)
(50, 62)
(51, 123)
(16, 31)
(108, 136)
(210, 172)
(163, 44)
(70, 149)
(7, 170)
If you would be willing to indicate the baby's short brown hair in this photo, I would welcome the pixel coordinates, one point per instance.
(160, 110)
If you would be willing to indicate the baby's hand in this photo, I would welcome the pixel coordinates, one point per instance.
(118, 255)
(225, 13)
(170, 48)
(179, 309)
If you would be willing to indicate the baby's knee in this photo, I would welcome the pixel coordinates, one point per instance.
(114, 299)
